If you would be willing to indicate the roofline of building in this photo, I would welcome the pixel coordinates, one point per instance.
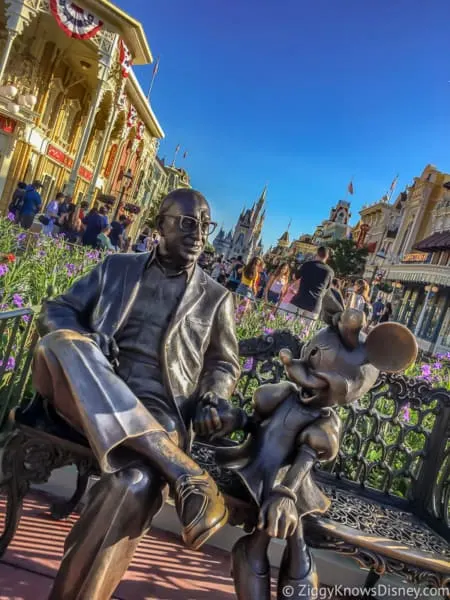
(130, 29)
(142, 105)
(375, 206)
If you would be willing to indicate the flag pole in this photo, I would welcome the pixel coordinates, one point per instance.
(392, 188)
(152, 81)
(177, 149)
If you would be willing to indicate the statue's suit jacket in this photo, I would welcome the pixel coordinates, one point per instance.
(199, 352)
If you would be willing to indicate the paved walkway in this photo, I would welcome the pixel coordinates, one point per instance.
(162, 569)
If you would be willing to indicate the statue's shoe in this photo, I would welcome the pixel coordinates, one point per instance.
(200, 507)
(248, 584)
(305, 588)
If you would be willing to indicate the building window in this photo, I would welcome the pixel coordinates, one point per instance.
(445, 333)
(72, 117)
(54, 104)
(416, 309)
(432, 316)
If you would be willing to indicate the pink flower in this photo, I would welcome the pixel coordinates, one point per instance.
(267, 330)
(271, 317)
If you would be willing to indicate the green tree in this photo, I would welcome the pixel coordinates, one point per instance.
(346, 258)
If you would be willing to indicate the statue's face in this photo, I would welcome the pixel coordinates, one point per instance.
(184, 230)
(332, 372)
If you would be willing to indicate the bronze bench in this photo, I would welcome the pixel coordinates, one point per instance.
(390, 484)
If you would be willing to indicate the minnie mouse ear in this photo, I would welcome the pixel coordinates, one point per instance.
(391, 347)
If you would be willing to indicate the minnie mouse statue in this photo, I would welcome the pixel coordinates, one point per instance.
(294, 425)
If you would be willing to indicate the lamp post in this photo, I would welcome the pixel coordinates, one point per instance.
(127, 178)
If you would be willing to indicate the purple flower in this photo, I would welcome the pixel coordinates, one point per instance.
(426, 370)
(288, 317)
(437, 365)
(26, 318)
(11, 217)
(93, 255)
(71, 269)
(18, 300)
(240, 309)
(42, 253)
(440, 356)
(21, 237)
(248, 365)
(271, 317)
(405, 413)
(267, 330)
(10, 363)
(3, 269)
(3, 307)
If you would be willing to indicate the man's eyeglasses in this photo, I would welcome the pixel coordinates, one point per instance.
(191, 224)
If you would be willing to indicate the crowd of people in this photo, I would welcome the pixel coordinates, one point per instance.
(89, 227)
(297, 291)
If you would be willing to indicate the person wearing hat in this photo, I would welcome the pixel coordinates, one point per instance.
(32, 202)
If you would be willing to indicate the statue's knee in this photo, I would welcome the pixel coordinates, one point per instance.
(56, 339)
(137, 480)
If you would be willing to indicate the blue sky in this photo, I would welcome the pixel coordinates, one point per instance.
(301, 94)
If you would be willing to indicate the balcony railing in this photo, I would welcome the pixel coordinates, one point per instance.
(420, 272)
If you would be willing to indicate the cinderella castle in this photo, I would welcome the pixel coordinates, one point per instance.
(245, 240)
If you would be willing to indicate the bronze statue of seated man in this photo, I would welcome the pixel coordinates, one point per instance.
(295, 426)
(135, 356)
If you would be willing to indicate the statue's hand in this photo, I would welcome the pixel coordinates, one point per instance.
(216, 417)
(278, 516)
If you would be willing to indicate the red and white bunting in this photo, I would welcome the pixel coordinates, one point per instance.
(75, 21)
(126, 60)
(140, 130)
(132, 116)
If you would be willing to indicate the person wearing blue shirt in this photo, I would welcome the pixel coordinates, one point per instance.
(95, 224)
(31, 204)
(116, 234)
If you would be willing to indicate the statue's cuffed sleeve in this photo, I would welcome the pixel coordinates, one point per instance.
(221, 368)
(73, 309)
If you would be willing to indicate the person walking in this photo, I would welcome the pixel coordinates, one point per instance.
(117, 231)
(70, 224)
(277, 284)
(315, 278)
(360, 298)
(17, 200)
(235, 278)
(103, 241)
(286, 305)
(31, 205)
(51, 214)
(143, 243)
(387, 313)
(218, 268)
(378, 310)
(94, 223)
